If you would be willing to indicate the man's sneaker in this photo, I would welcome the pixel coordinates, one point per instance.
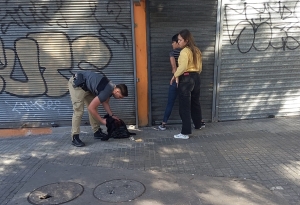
(105, 138)
(162, 126)
(201, 126)
(181, 136)
(99, 134)
(77, 142)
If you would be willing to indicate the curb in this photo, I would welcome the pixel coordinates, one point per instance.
(20, 132)
(24, 132)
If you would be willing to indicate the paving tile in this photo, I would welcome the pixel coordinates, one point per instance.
(265, 150)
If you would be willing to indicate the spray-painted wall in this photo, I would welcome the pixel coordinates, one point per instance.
(259, 67)
(43, 42)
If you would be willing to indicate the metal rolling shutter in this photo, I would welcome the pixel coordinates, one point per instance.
(43, 42)
(166, 19)
(259, 73)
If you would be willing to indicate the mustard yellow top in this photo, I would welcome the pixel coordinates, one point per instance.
(186, 64)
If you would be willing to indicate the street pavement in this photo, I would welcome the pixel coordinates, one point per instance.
(247, 162)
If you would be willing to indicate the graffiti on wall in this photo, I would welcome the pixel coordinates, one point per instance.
(39, 105)
(62, 14)
(261, 26)
(47, 47)
(42, 65)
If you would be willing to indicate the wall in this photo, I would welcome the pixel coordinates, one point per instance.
(141, 62)
(259, 62)
(43, 42)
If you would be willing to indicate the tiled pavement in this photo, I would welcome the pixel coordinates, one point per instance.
(265, 150)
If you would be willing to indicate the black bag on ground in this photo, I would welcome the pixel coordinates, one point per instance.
(116, 128)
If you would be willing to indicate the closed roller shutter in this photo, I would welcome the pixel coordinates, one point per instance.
(167, 18)
(259, 73)
(43, 42)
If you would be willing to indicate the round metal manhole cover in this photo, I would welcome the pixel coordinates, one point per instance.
(119, 190)
(56, 193)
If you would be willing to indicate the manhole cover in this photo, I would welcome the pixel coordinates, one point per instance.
(57, 193)
(119, 190)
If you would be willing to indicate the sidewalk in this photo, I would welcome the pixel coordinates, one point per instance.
(237, 162)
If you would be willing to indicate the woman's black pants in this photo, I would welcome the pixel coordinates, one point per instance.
(189, 101)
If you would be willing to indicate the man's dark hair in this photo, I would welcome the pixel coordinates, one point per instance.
(175, 38)
(123, 89)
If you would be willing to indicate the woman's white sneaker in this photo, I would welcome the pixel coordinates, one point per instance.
(181, 136)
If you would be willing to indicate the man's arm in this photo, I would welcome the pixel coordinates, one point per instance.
(173, 64)
(106, 107)
(93, 110)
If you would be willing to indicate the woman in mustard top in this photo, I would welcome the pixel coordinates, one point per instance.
(187, 77)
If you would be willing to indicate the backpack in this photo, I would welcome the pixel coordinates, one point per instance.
(116, 128)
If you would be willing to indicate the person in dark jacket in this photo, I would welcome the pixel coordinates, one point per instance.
(172, 94)
(92, 89)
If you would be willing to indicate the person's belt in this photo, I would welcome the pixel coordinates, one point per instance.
(79, 81)
(188, 73)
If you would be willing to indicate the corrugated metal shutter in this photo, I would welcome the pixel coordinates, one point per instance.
(259, 73)
(166, 19)
(42, 42)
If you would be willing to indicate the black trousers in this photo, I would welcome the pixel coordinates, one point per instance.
(189, 101)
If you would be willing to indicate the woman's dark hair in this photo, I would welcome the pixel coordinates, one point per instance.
(187, 36)
(123, 89)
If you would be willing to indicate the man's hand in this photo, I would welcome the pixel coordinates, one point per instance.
(172, 79)
(103, 121)
(115, 117)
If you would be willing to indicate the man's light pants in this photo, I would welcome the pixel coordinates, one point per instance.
(80, 97)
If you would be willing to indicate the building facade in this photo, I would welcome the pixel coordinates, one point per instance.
(44, 42)
(250, 57)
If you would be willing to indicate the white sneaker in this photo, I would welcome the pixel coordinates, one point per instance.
(181, 136)
(162, 127)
